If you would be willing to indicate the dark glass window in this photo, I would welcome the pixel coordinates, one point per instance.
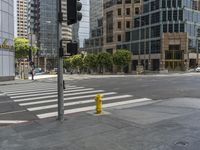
(174, 3)
(176, 27)
(169, 15)
(170, 28)
(164, 16)
(155, 46)
(179, 3)
(180, 15)
(165, 28)
(169, 3)
(155, 18)
(155, 31)
(163, 3)
(175, 15)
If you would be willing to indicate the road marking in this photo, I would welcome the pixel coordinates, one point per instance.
(12, 121)
(41, 91)
(13, 91)
(65, 99)
(41, 94)
(2, 94)
(77, 103)
(52, 96)
(89, 108)
(12, 112)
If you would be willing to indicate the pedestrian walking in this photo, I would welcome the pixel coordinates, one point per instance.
(32, 73)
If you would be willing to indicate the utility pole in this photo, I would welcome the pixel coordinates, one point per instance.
(60, 63)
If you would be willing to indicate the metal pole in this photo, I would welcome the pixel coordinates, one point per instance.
(60, 65)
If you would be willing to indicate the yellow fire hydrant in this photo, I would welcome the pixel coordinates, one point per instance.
(98, 99)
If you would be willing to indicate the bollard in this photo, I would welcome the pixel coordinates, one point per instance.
(98, 103)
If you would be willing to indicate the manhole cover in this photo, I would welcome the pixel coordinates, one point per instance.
(181, 143)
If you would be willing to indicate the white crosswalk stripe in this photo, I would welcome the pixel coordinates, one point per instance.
(41, 99)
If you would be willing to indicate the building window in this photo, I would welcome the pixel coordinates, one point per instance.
(170, 28)
(128, 11)
(119, 11)
(128, 24)
(119, 38)
(137, 10)
(164, 16)
(165, 28)
(175, 15)
(175, 27)
(169, 15)
(119, 25)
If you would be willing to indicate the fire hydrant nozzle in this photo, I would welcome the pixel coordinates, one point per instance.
(98, 99)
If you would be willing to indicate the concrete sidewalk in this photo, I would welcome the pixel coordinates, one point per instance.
(172, 124)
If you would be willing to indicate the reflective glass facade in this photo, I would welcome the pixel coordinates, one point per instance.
(48, 28)
(6, 39)
(161, 16)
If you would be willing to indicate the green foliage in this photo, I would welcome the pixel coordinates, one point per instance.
(90, 61)
(67, 63)
(21, 47)
(104, 59)
(122, 58)
(77, 61)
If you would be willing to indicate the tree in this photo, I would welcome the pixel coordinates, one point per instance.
(67, 63)
(104, 61)
(90, 61)
(21, 47)
(77, 62)
(122, 58)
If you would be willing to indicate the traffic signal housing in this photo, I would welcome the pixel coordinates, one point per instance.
(73, 11)
(72, 48)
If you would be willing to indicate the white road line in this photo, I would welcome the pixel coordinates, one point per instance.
(65, 99)
(12, 121)
(33, 89)
(77, 103)
(2, 94)
(41, 94)
(41, 91)
(53, 96)
(89, 108)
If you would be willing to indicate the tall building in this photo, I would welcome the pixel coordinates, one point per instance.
(42, 22)
(95, 43)
(22, 18)
(165, 35)
(81, 29)
(117, 20)
(7, 56)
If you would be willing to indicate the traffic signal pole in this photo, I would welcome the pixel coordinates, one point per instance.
(60, 64)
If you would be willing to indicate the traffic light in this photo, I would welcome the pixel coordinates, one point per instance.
(73, 11)
(72, 48)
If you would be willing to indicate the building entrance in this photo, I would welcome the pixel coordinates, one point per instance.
(174, 58)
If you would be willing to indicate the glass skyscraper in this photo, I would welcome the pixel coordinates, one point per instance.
(7, 69)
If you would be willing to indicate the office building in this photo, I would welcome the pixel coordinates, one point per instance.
(7, 56)
(165, 35)
(42, 23)
(95, 43)
(22, 18)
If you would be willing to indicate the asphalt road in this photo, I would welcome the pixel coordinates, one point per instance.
(27, 101)
(154, 87)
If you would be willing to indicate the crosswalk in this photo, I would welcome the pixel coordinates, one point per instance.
(41, 98)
